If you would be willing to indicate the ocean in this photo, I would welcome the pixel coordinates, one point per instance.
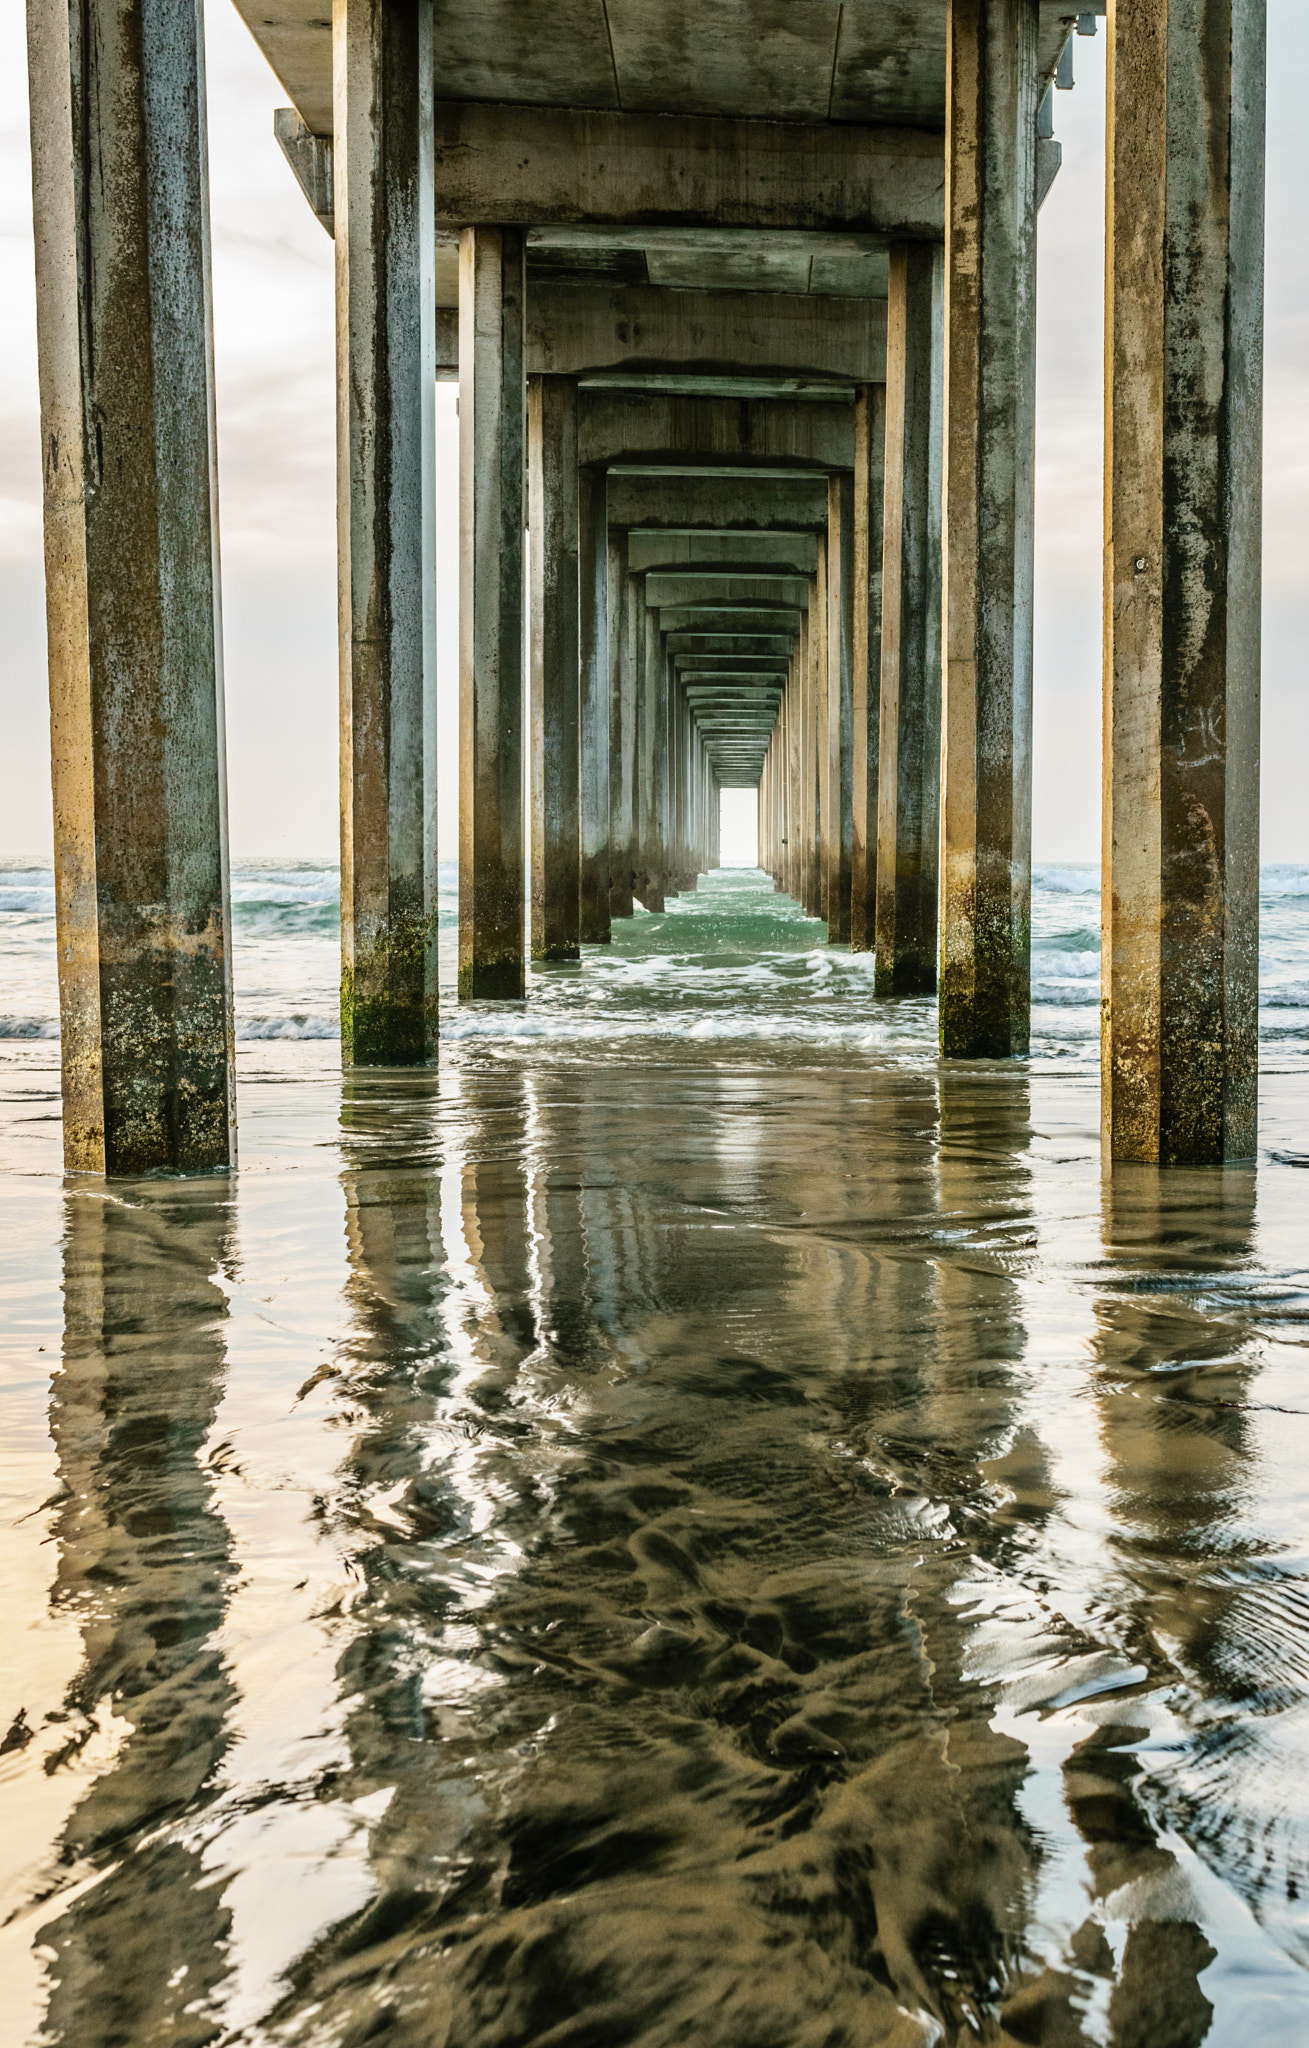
(731, 960)
(692, 1521)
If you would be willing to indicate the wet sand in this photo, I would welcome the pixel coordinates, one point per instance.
(695, 1544)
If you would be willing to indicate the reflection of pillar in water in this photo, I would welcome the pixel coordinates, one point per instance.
(144, 1563)
(1178, 1469)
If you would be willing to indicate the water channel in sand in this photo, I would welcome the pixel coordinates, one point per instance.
(696, 1522)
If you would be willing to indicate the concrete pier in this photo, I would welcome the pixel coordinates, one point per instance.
(909, 747)
(136, 689)
(388, 967)
(1183, 342)
(990, 314)
(778, 326)
(554, 758)
(492, 405)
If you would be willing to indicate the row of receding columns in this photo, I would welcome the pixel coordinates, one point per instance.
(629, 779)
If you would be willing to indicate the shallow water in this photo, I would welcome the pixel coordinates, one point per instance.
(696, 1522)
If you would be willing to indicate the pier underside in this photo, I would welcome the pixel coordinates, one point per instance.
(741, 305)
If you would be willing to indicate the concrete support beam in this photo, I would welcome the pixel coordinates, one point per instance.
(388, 968)
(990, 308)
(538, 165)
(594, 659)
(865, 692)
(1182, 580)
(554, 751)
(908, 814)
(839, 794)
(575, 328)
(492, 406)
(726, 437)
(136, 695)
(689, 504)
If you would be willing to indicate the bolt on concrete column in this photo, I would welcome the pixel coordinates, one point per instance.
(838, 797)
(1183, 340)
(869, 438)
(554, 689)
(388, 980)
(594, 657)
(622, 725)
(132, 605)
(909, 821)
(990, 307)
(491, 463)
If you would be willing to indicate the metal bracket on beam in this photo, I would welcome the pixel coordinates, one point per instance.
(310, 157)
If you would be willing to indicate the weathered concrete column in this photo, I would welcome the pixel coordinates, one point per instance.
(594, 659)
(909, 750)
(388, 969)
(491, 520)
(838, 796)
(652, 713)
(817, 905)
(869, 440)
(622, 725)
(809, 817)
(136, 691)
(1183, 335)
(795, 768)
(554, 688)
(990, 307)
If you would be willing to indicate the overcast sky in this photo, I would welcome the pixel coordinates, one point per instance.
(273, 321)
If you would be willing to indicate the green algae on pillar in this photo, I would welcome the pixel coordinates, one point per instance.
(492, 406)
(136, 694)
(909, 751)
(388, 964)
(1183, 342)
(553, 753)
(990, 314)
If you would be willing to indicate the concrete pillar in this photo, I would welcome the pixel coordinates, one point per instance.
(427, 381)
(908, 816)
(808, 819)
(622, 725)
(990, 306)
(132, 607)
(594, 659)
(865, 689)
(652, 758)
(554, 689)
(491, 521)
(795, 769)
(1182, 580)
(819, 685)
(840, 707)
(665, 772)
(388, 968)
